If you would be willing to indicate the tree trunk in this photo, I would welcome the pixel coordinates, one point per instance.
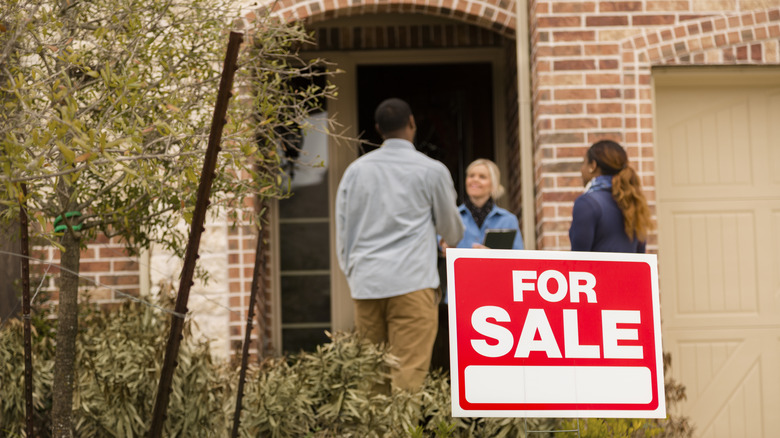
(67, 330)
(10, 270)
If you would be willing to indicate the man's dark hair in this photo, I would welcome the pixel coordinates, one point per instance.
(392, 115)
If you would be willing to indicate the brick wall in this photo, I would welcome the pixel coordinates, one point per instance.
(591, 71)
(107, 271)
(242, 245)
(496, 15)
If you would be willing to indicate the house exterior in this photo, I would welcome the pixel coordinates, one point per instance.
(691, 88)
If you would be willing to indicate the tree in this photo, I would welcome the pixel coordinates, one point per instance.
(106, 107)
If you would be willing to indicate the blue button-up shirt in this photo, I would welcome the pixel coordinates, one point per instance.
(390, 205)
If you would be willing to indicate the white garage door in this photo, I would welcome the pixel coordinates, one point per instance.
(718, 192)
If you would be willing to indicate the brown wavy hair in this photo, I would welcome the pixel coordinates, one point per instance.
(612, 159)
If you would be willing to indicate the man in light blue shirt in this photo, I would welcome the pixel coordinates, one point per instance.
(390, 205)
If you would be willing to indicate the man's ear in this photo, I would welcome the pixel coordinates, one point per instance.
(412, 123)
(376, 126)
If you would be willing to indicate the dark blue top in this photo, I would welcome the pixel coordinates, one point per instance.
(597, 225)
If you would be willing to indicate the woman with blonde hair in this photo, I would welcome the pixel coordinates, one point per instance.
(479, 211)
(612, 215)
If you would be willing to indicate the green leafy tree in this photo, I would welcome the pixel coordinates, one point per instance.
(106, 110)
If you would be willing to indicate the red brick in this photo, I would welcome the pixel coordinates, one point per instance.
(604, 108)
(613, 6)
(568, 21)
(608, 64)
(568, 196)
(755, 52)
(561, 138)
(574, 36)
(667, 5)
(567, 50)
(575, 94)
(569, 7)
(125, 265)
(574, 65)
(568, 108)
(576, 123)
(603, 79)
(115, 280)
(602, 49)
(609, 93)
(605, 135)
(652, 20)
(543, 52)
(95, 266)
(109, 252)
(742, 53)
(620, 20)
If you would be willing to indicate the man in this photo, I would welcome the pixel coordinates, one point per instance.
(390, 205)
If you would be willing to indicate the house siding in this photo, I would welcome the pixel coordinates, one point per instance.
(591, 72)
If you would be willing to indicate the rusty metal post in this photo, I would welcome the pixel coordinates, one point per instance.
(257, 279)
(25, 259)
(196, 229)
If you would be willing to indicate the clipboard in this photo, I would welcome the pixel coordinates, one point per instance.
(499, 238)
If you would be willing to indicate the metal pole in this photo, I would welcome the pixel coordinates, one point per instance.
(196, 229)
(257, 278)
(25, 252)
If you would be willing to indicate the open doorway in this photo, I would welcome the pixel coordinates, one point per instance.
(453, 107)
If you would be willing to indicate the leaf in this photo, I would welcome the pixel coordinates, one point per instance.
(66, 152)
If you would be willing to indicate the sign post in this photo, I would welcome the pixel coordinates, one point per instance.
(554, 334)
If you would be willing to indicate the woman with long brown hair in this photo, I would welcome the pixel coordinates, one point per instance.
(612, 215)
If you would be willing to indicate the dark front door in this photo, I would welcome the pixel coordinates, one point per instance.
(452, 105)
(453, 108)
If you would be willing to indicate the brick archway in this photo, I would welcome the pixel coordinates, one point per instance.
(496, 15)
(749, 38)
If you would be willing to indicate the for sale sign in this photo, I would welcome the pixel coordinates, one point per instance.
(554, 334)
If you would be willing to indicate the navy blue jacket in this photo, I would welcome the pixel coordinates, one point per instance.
(597, 225)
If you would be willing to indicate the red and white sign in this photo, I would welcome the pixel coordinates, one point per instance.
(554, 334)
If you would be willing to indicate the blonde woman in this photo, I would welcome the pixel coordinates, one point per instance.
(479, 212)
(612, 215)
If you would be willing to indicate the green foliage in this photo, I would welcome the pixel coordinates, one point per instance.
(12, 401)
(107, 106)
(117, 372)
(330, 392)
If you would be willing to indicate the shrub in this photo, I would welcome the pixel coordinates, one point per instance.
(326, 393)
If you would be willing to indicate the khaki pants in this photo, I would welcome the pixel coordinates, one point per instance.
(408, 324)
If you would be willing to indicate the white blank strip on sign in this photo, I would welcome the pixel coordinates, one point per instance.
(557, 384)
